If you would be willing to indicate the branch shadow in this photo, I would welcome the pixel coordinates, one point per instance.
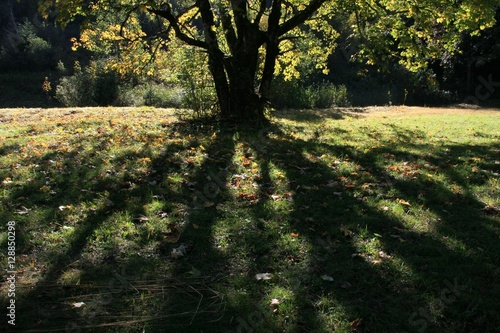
(114, 257)
(453, 262)
(364, 286)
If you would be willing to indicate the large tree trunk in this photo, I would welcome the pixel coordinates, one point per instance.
(236, 81)
(235, 75)
(246, 104)
(216, 66)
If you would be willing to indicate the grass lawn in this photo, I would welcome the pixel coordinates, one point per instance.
(373, 220)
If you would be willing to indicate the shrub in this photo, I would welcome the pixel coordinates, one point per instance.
(326, 95)
(292, 94)
(76, 90)
(288, 94)
(150, 94)
(159, 95)
(26, 50)
(105, 88)
(93, 86)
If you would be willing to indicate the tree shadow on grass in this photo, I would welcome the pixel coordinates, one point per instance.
(388, 275)
(104, 265)
(430, 285)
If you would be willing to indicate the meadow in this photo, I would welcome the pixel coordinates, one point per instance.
(347, 220)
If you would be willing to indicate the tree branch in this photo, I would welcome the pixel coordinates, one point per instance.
(228, 29)
(262, 10)
(167, 14)
(240, 15)
(300, 17)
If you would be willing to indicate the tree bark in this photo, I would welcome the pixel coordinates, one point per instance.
(246, 104)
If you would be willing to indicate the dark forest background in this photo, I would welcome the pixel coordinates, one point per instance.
(38, 68)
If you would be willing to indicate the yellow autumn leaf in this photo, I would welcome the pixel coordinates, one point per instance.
(403, 202)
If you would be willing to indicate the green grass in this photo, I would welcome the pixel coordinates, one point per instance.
(382, 221)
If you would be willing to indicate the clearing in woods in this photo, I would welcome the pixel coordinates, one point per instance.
(381, 219)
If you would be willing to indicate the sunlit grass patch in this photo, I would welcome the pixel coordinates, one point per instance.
(358, 220)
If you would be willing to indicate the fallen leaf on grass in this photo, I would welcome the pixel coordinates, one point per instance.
(332, 183)
(355, 324)
(275, 197)
(403, 202)
(63, 208)
(173, 235)
(162, 214)
(275, 302)
(78, 304)
(293, 234)
(345, 285)
(179, 251)
(383, 255)
(246, 196)
(23, 210)
(345, 231)
(142, 218)
(263, 276)
(327, 278)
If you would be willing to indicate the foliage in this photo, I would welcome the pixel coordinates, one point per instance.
(162, 96)
(296, 95)
(326, 95)
(26, 50)
(120, 34)
(416, 33)
(92, 86)
(187, 69)
(248, 42)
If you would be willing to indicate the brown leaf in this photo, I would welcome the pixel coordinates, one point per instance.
(345, 285)
(275, 197)
(355, 324)
(346, 231)
(383, 255)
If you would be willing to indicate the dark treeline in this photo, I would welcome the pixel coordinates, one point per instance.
(38, 68)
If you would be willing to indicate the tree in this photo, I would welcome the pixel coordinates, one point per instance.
(8, 28)
(243, 39)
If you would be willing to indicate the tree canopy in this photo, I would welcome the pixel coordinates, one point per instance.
(248, 42)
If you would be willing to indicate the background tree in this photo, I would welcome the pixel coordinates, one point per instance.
(243, 39)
